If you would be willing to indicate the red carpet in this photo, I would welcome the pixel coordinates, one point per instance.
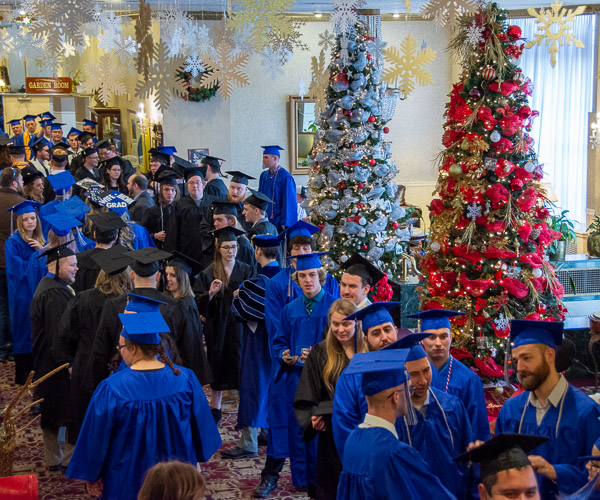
(226, 479)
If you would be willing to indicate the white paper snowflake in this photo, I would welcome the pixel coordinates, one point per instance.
(178, 30)
(68, 49)
(344, 55)
(474, 35)
(194, 65)
(302, 88)
(501, 322)
(473, 211)
(105, 78)
(271, 60)
(344, 14)
(326, 40)
(375, 48)
(125, 48)
(242, 40)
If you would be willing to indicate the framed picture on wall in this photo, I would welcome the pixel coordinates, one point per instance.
(195, 155)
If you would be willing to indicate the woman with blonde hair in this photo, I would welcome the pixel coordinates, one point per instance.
(20, 251)
(313, 404)
(173, 481)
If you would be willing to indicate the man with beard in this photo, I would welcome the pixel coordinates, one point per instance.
(449, 374)
(236, 193)
(549, 407)
(41, 155)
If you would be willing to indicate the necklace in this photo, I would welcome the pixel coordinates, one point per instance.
(449, 372)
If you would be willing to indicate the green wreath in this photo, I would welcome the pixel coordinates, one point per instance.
(197, 94)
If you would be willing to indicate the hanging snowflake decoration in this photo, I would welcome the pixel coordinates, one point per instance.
(124, 48)
(445, 11)
(226, 70)
(345, 15)
(344, 56)
(319, 81)
(501, 322)
(144, 40)
(271, 61)
(194, 65)
(301, 88)
(105, 78)
(68, 50)
(474, 35)
(375, 48)
(7, 40)
(262, 17)
(474, 211)
(24, 45)
(285, 45)
(326, 40)
(555, 28)
(241, 40)
(164, 81)
(406, 66)
(203, 41)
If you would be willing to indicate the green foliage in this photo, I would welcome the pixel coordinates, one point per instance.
(564, 226)
(594, 227)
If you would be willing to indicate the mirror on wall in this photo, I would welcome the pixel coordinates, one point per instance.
(303, 124)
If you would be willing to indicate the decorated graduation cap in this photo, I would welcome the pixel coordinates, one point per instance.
(30, 174)
(308, 261)
(374, 314)
(74, 206)
(47, 116)
(89, 123)
(412, 341)
(59, 153)
(225, 208)
(239, 177)
(272, 150)
(434, 319)
(58, 252)
(503, 452)
(61, 182)
(146, 260)
(229, 233)
(16, 150)
(113, 260)
(40, 144)
(156, 155)
(525, 332)
(380, 370)
(266, 241)
(56, 126)
(25, 207)
(75, 131)
(113, 200)
(29, 118)
(194, 172)
(16, 121)
(61, 223)
(300, 228)
(357, 265)
(258, 200)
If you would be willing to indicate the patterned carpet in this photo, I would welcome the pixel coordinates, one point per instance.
(226, 479)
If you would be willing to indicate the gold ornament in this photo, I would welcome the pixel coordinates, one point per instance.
(455, 170)
(444, 11)
(143, 37)
(547, 20)
(226, 70)
(319, 82)
(406, 66)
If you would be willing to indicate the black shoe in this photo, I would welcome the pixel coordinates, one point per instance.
(262, 439)
(237, 453)
(55, 468)
(265, 488)
(217, 415)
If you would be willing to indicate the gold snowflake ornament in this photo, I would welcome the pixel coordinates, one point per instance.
(320, 81)
(405, 66)
(555, 28)
(104, 77)
(226, 70)
(446, 11)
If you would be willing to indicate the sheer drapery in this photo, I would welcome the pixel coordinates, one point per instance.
(563, 95)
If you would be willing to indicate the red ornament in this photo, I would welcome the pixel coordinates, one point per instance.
(395, 225)
(360, 205)
(341, 185)
(371, 119)
(488, 73)
(369, 56)
(352, 146)
(364, 247)
(372, 161)
(386, 130)
(361, 185)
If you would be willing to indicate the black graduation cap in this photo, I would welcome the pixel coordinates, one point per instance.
(89, 151)
(212, 161)
(183, 261)
(225, 208)
(168, 177)
(183, 163)
(107, 222)
(5, 141)
(258, 200)
(16, 150)
(229, 233)
(113, 260)
(503, 452)
(30, 174)
(146, 260)
(104, 144)
(195, 171)
(40, 144)
(110, 162)
(156, 155)
(359, 266)
(239, 177)
(55, 253)
(85, 136)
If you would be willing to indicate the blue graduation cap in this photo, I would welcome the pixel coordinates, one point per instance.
(592, 457)
(16, 121)
(61, 182)
(143, 304)
(266, 241)
(412, 342)
(525, 332)
(374, 314)
(89, 123)
(74, 206)
(299, 228)
(61, 224)
(380, 370)
(308, 261)
(56, 126)
(143, 327)
(25, 207)
(75, 131)
(434, 319)
(47, 116)
(272, 150)
(29, 118)
(167, 150)
(45, 123)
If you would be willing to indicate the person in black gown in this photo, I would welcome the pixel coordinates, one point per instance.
(255, 212)
(160, 220)
(214, 289)
(215, 186)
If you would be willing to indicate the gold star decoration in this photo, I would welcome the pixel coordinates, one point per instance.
(225, 69)
(547, 22)
(405, 67)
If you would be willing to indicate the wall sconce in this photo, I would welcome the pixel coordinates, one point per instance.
(595, 135)
(141, 116)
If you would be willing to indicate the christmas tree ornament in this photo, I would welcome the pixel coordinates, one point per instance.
(488, 73)
(475, 93)
(495, 136)
(386, 130)
(455, 170)
(530, 167)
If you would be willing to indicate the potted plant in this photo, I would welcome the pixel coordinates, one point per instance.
(593, 242)
(565, 227)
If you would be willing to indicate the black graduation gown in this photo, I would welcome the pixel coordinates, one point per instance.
(216, 188)
(73, 345)
(312, 391)
(193, 232)
(245, 251)
(262, 227)
(222, 331)
(50, 300)
(87, 271)
(162, 218)
(76, 163)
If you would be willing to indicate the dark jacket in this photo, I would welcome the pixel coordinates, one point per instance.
(8, 198)
(138, 209)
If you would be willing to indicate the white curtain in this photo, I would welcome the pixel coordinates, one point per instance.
(563, 95)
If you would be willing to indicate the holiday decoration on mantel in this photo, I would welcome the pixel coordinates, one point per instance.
(548, 20)
(489, 227)
(351, 190)
(405, 67)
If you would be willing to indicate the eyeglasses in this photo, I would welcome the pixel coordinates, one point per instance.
(228, 247)
(119, 347)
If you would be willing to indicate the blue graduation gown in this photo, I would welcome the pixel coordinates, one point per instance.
(275, 300)
(47, 209)
(19, 265)
(466, 386)
(377, 466)
(137, 419)
(142, 237)
(281, 188)
(301, 331)
(431, 437)
(349, 409)
(578, 430)
(255, 360)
